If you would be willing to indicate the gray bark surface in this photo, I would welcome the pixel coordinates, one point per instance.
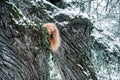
(18, 61)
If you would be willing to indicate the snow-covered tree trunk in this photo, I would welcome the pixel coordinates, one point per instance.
(23, 54)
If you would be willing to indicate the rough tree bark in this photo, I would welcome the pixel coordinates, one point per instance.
(18, 61)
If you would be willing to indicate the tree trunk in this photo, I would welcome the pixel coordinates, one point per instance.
(23, 55)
